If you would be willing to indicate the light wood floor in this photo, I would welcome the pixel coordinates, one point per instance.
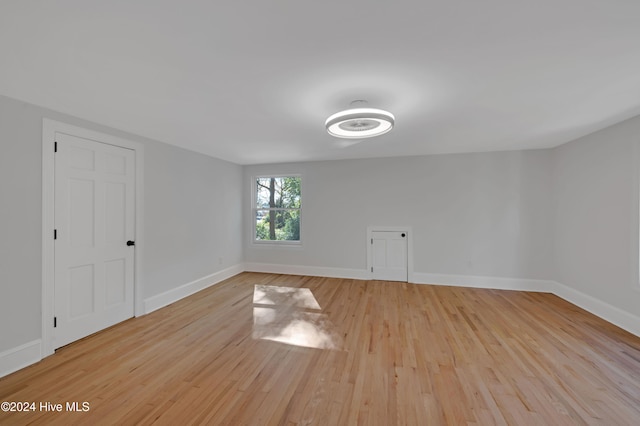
(273, 349)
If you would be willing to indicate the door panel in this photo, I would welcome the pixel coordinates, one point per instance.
(116, 281)
(379, 252)
(81, 213)
(389, 255)
(115, 212)
(94, 218)
(81, 291)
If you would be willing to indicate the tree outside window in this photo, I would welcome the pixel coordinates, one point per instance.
(277, 211)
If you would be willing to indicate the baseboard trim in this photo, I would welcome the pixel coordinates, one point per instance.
(29, 353)
(496, 283)
(314, 271)
(607, 312)
(161, 300)
(20, 357)
(616, 316)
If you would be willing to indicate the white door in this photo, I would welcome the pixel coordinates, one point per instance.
(94, 221)
(389, 255)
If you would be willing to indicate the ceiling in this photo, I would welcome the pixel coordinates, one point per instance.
(254, 81)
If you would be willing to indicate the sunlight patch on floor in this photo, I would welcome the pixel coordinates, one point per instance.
(288, 296)
(286, 315)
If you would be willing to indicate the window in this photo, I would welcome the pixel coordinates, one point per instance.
(277, 209)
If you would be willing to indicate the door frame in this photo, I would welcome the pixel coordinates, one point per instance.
(49, 130)
(407, 230)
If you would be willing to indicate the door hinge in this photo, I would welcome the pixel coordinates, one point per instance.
(55, 147)
(372, 269)
(55, 322)
(55, 234)
(372, 241)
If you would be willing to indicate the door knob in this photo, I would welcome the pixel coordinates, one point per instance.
(131, 243)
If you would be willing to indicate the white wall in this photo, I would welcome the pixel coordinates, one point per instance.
(20, 223)
(472, 214)
(193, 207)
(192, 217)
(596, 215)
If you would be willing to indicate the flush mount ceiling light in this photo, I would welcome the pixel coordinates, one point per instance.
(360, 123)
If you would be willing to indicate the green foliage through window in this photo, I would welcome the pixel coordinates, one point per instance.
(277, 211)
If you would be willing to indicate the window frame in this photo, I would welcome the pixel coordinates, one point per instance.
(255, 208)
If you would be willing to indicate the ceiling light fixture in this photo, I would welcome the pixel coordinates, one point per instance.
(360, 123)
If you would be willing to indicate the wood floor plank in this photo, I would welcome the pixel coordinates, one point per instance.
(313, 350)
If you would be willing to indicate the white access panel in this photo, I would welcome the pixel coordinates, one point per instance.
(389, 255)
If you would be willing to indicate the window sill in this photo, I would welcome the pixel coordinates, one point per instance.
(277, 244)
